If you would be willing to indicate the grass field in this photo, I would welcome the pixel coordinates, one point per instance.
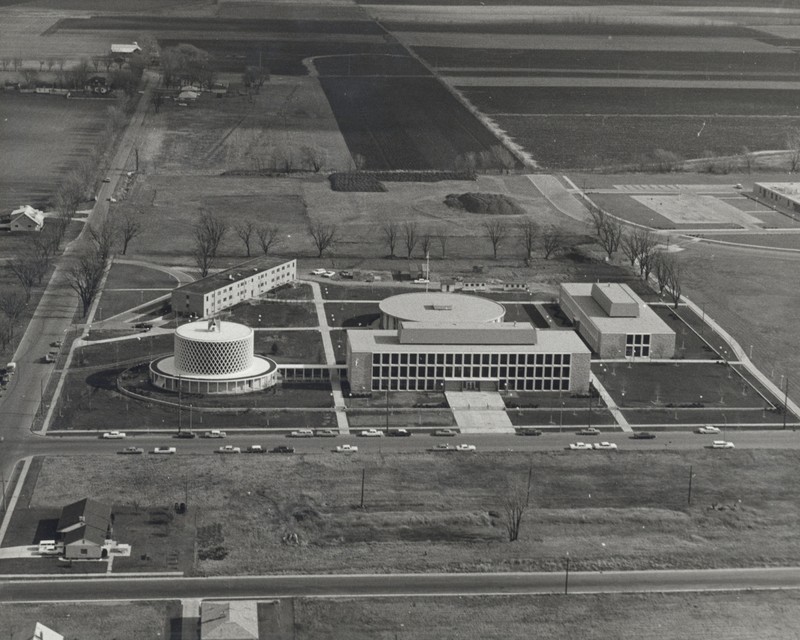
(430, 513)
(712, 616)
(43, 136)
(405, 123)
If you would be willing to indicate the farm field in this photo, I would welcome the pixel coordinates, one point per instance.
(42, 138)
(405, 123)
(766, 240)
(712, 616)
(445, 506)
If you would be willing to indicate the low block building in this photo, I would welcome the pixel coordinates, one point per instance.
(615, 322)
(26, 218)
(207, 296)
(784, 196)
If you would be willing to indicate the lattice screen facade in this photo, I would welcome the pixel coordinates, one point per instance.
(223, 357)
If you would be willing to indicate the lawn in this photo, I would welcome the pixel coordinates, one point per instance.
(669, 616)
(91, 621)
(134, 276)
(433, 513)
(353, 315)
(258, 313)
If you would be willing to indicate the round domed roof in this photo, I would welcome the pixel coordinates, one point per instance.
(437, 306)
(222, 331)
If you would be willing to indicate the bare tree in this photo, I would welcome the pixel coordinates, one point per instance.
(12, 304)
(267, 237)
(69, 195)
(391, 231)
(25, 269)
(516, 501)
(104, 237)
(312, 158)
(425, 242)
(528, 234)
(323, 235)
(51, 62)
(209, 232)
(661, 267)
(672, 275)
(84, 276)
(410, 237)
(29, 76)
(244, 230)
(129, 228)
(496, 231)
(552, 241)
(442, 236)
(793, 144)
(607, 230)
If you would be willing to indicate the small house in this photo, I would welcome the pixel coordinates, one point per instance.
(85, 527)
(229, 620)
(26, 218)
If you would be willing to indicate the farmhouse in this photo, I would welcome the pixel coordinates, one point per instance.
(85, 528)
(615, 322)
(125, 49)
(222, 290)
(233, 620)
(445, 341)
(783, 196)
(26, 218)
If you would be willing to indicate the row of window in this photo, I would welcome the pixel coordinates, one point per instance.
(471, 359)
(637, 345)
(427, 384)
(485, 372)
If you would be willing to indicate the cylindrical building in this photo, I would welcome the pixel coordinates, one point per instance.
(438, 307)
(213, 357)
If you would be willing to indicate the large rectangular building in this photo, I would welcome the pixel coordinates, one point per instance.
(615, 322)
(219, 291)
(784, 196)
(511, 356)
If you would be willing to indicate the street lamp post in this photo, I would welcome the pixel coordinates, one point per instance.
(566, 576)
(785, 400)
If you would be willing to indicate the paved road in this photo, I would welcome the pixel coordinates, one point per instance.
(398, 585)
(53, 317)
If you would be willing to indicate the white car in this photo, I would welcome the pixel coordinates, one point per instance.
(606, 446)
(722, 444)
(466, 447)
(215, 433)
(580, 446)
(421, 281)
(328, 274)
(165, 450)
(371, 433)
(346, 448)
(318, 272)
(114, 435)
(443, 446)
(302, 433)
(708, 429)
(229, 448)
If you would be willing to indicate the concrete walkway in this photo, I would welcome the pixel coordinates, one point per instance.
(190, 623)
(612, 406)
(12, 503)
(330, 358)
(479, 412)
(559, 196)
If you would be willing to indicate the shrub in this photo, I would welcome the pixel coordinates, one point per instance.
(355, 181)
(489, 203)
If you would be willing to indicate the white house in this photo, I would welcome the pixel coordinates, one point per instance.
(26, 218)
(125, 49)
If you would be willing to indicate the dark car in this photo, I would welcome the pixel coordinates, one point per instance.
(643, 435)
(282, 449)
(144, 326)
(186, 434)
(399, 433)
(529, 432)
(346, 274)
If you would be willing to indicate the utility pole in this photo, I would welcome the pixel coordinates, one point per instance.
(363, 478)
(566, 577)
(785, 400)
(387, 406)
(689, 498)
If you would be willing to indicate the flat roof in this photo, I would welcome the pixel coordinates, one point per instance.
(790, 190)
(223, 331)
(467, 333)
(439, 307)
(647, 321)
(230, 276)
(549, 341)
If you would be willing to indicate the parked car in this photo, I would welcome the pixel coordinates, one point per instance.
(580, 446)
(318, 272)
(282, 449)
(114, 435)
(722, 444)
(255, 448)
(325, 433)
(605, 446)
(346, 448)
(421, 281)
(165, 450)
(444, 446)
(214, 433)
(229, 448)
(708, 429)
(529, 432)
(188, 435)
(329, 274)
(371, 433)
(50, 357)
(144, 326)
(302, 433)
(346, 274)
(466, 447)
(56, 344)
(131, 450)
(589, 431)
(445, 432)
(399, 433)
(106, 180)
(643, 435)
